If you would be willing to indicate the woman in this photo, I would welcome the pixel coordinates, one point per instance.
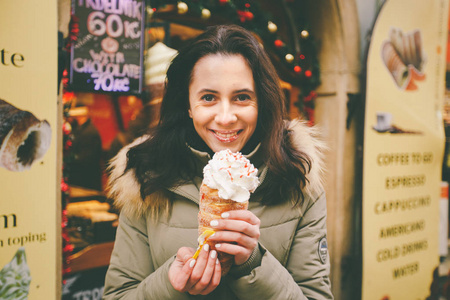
(221, 92)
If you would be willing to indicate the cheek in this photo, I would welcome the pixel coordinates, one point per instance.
(200, 112)
(252, 118)
(199, 117)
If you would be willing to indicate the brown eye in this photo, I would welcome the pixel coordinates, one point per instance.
(208, 98)
(243, 97)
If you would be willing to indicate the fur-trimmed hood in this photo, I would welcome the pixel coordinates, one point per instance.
(124, 188)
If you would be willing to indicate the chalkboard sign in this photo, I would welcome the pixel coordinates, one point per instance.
(107, 55)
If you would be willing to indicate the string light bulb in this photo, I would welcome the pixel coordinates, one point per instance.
(272, 27)
(150, 11)
(278, 43)
(289, 58)
(304, 34)
(182, 8)
(206, 13)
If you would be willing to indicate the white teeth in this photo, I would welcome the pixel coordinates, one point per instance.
(226, 135)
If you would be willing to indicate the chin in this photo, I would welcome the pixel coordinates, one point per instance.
(231, 148)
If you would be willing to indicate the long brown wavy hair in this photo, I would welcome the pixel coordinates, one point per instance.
(165, 159)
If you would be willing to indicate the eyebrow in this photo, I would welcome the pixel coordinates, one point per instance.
(207, 91)
(244, 91)
(234, 92)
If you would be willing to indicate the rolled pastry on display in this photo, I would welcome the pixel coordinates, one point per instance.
(414, 59)
(23, 138)
(417, 40)
(397, 40)
(408, 47)
(395, 65)
(157, 62)
(409, 57)
(228, 180)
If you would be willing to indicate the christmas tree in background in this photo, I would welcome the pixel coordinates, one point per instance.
(297, 56)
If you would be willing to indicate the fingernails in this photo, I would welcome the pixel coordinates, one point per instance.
(218, 245)
(213, 254)
(217, 261)
(225, 215)
(192, 263)
(206, 247)
(214, 223)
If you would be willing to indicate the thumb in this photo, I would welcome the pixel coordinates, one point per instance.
(184, 254)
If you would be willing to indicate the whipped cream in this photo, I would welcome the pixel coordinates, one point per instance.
(232, 175)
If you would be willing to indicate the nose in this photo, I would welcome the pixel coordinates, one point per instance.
(226, 114)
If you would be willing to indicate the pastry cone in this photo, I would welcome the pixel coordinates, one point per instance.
(408, 47)
(23, 138)
(398, 42)
(395, 65)
(211, 208)
(228, 180)
(419, 51)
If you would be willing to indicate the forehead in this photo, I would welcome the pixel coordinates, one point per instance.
(215, 67)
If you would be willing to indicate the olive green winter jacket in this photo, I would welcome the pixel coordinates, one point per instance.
(293, 256)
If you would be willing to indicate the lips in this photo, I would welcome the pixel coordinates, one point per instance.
(226, 136)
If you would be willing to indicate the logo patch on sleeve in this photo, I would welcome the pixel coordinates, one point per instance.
(323, 250)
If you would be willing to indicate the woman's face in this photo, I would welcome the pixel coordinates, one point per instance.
(222, 101)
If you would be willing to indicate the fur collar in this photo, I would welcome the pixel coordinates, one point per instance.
(307, 139)
(125, 189)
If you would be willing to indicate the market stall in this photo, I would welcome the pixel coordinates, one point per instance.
(314, 50)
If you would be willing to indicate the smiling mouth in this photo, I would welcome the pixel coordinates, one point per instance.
(226, 136)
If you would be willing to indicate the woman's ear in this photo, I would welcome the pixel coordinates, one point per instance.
(190, 113)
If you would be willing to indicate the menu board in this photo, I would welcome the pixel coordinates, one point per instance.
(403, 149)
(30, 222)
(108, 53)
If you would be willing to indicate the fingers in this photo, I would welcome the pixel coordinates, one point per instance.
(217, 275)
(203, 275)
(199, 265)
(204, 279)
(243, 215)
(185, 274)
(237, 233)
(240, 221)
(199, 276)
(181, 269)
(234, 237)
(184, 253)
(209, 270)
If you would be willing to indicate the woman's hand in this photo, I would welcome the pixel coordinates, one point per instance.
(238, 234)
(196, 277)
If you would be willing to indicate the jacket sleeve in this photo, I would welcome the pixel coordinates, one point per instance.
(131, 274)
(305, 275)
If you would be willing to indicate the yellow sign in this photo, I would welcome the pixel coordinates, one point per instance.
(403, 149)
(29, 193)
